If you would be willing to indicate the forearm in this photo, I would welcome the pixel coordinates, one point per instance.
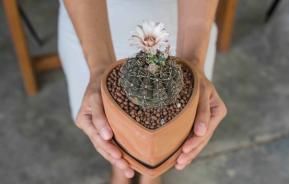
(195, 19)
(90, 20)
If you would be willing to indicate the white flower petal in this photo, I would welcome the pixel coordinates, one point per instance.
(150, 37)
(140, 32)
(146, 28)
(159, 28)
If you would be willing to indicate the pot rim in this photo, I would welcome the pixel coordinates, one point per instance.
(162, 128)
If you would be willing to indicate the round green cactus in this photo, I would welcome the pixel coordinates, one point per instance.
(151, 80)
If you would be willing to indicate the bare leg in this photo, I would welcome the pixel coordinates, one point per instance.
(118, 177)
(149, 180)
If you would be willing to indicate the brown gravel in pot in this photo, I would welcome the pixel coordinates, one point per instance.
(155, 117)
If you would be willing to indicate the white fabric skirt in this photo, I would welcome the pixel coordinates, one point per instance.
(124, 15)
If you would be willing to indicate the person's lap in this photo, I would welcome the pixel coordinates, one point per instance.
(73, 60)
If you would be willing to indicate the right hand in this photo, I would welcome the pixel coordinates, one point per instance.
(92, 120)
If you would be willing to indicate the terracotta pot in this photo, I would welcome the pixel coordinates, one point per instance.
(150, 152)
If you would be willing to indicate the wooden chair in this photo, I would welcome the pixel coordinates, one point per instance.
(30, 66)
(225, 19)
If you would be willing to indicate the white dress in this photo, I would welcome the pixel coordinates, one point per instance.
(124, 15)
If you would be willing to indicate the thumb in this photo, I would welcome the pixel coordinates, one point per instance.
(203, 115)
(98, 117)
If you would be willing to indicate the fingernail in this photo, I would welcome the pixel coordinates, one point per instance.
(180, 167)
(189, 147)
(105, 133)
(200, 129)
(180, 161)
(121, 164)
(129, 173)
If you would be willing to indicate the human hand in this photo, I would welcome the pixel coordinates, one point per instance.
(210, 112)
(92, 120)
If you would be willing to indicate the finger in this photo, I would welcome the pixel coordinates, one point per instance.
(105, 155)
(203, 114)
(192, 143)
(218, 108)
(195, 143)
(180, 166)
(186, 159)
(86, 125)
(84, 122)
(119, 163)
(98, 117)
(217, 111)
(107, 146)
(129, 173)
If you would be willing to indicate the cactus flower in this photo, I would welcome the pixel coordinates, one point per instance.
(151, 37)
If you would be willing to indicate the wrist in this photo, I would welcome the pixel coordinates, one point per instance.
(195, 62)
(97, 72)
(198, 65)
(98, 66)
(95, 79)
(95, 76)
(98, 62)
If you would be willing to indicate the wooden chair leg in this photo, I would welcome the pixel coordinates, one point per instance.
(225, 20)
(21, 47)
(46, 62)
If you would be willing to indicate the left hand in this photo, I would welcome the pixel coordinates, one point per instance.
(210, 112)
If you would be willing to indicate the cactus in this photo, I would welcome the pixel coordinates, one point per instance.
(151, 89)
(152, 78)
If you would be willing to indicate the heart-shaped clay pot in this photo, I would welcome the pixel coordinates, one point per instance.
(150, 152)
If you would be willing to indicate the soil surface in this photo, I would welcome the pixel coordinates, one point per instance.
(155, 117)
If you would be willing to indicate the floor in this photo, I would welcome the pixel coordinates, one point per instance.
(40, 144)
